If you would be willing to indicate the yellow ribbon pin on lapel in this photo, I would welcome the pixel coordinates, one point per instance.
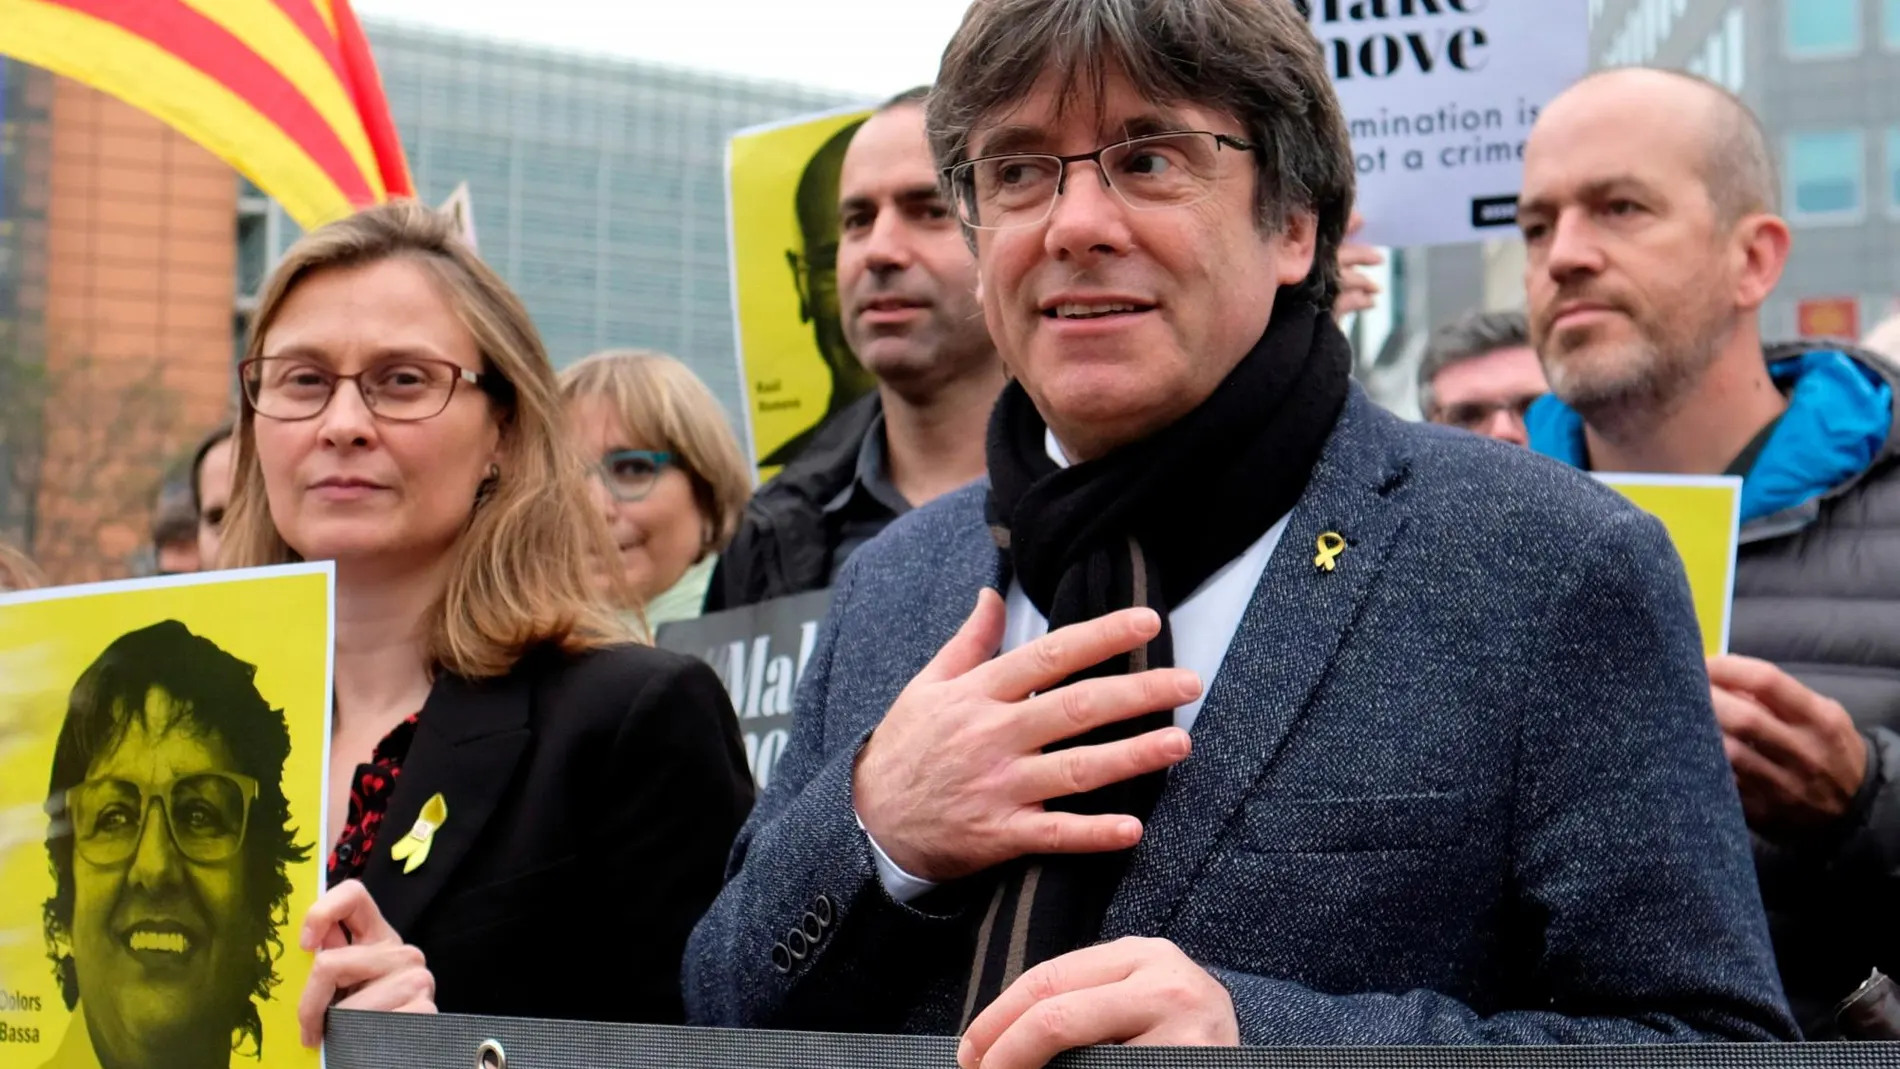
(1331, 545)
(413, 849)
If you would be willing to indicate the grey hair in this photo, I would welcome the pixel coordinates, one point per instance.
(1737, 164)
(1255, 60)
(1472, 335)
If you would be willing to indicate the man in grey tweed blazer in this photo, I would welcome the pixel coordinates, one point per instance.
(1229, 709)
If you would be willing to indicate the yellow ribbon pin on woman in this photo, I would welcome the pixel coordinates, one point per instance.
(413, 849)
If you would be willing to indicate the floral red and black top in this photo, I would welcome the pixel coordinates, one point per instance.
(370, 789)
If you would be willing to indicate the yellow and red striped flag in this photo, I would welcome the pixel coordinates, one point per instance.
(286, 91)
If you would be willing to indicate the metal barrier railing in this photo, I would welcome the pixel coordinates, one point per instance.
(357, 1040)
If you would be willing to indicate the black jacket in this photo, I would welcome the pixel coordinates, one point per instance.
(784, 546)
(591, 802)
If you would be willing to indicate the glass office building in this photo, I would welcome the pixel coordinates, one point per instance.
(598, 186)
(1824, 76)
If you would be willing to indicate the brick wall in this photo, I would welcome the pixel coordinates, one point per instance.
(140, 278)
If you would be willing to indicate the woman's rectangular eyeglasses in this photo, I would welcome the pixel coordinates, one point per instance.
(406, 390)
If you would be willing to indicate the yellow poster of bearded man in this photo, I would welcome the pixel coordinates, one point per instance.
(1703, 515)
(782, 211)
(162, 747)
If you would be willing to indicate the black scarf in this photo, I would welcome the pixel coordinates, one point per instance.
(1146, 524)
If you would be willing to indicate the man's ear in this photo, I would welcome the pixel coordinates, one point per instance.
(1294, 243)
(1762, 243)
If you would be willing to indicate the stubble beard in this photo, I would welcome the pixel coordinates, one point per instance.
(941, 352)
(1627, 388)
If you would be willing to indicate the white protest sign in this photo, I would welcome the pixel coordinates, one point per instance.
(458, 208)
(1439, 97)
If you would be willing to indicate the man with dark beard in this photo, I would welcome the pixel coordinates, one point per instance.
(907, 294)
(1649, 212)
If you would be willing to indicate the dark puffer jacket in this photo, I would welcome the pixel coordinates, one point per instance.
(1817, 591)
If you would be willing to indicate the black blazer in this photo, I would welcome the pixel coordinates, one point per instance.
(592, 800)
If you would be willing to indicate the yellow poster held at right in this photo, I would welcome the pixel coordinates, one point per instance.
(1703, 516)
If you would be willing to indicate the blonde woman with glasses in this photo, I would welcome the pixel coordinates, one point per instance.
(669, 474)
(400, 418)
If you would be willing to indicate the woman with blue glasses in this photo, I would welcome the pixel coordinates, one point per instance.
(669, 473)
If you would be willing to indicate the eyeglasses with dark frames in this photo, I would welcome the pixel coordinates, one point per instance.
(815, 274)
(1151, 173)
(404, 389)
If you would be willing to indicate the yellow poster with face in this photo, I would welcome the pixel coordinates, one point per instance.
(1703, 515)
(782, 210)
(162, 756)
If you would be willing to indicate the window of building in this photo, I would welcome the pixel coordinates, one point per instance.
(1821, 28)
(254, 254)
(1827, 175)
(1722, 55)
(1893, 170)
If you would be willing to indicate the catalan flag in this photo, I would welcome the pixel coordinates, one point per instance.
(284, 90)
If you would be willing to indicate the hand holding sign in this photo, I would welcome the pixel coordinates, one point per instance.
(1798, 758)
(362, 963)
